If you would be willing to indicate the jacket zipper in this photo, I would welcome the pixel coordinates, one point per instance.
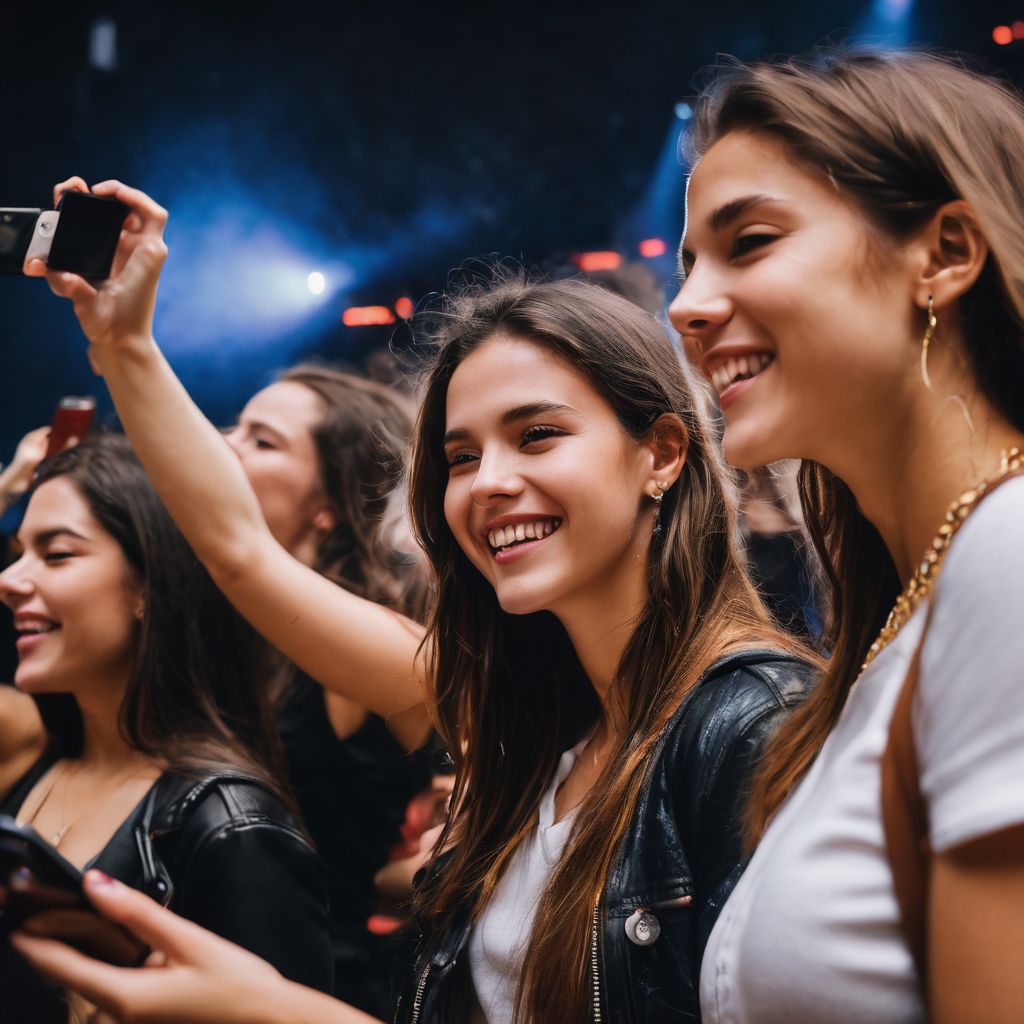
(417, 999)
(594, 961)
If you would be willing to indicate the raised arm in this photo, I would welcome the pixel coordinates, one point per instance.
(352, 646)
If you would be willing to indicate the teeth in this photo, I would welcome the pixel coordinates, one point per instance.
(507, 535)
(749, 365)
(43, 628)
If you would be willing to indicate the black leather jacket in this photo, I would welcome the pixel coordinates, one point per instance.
(677, 863)
(222, 851)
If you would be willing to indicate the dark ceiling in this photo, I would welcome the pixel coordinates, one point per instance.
(395, 139)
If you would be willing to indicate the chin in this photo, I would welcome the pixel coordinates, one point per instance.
(747, 447)
(521, 601)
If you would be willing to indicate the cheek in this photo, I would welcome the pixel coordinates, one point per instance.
(457, 500)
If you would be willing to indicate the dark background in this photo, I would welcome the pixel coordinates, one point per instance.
(378, 143)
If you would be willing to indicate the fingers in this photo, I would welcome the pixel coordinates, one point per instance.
(73, 184)
(157, 927)
(98, 982)
(152, 216)
(70, 286)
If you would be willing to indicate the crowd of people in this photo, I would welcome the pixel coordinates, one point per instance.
(665, 798)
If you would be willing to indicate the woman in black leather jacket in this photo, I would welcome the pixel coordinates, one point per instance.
(159, 769)
(591, 611)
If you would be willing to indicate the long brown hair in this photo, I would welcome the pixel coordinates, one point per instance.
(510, 692)
(900, 134)
(362, 440)
(190, 698)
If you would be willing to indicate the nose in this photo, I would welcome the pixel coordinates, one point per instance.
(15, 584)
(234, 439)
(496, 477)
(699, 309)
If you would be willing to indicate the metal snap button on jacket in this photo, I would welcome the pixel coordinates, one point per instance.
(642, 928)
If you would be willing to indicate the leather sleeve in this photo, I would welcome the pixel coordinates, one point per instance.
(254, 880)
(731, 724)
(720, 854)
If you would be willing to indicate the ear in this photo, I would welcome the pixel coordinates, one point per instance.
(139, 608)
(954, 252)
(323, 521)
(666, 443)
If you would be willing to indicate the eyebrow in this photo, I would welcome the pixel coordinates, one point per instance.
(264, 425)
(47, 535)
(515, 415)
(728, 212)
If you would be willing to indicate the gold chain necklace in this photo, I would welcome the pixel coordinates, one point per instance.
(924, 577)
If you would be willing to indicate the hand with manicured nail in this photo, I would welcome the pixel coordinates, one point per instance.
(192, 976)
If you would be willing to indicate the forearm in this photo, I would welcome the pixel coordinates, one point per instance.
(196, 474)
(293, 1004)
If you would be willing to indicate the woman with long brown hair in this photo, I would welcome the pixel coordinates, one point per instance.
(597, 661)
(159, 765)
(324, 452)
(854, 290)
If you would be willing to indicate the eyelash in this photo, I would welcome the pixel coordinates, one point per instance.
(530, 436)
(740, 249)
(539, 433)
(57, 556)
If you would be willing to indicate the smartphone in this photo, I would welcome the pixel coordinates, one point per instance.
(86, 236)
(73, 418)
(81, 235)
(38, 881)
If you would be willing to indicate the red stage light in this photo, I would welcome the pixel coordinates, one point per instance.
(367, 316)
(404, 307)
(1017, 28)
(1002, 34)
(651, 247)
(590, 261)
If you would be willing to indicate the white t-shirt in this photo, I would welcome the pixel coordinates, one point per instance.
(812, 931)
(497, 942)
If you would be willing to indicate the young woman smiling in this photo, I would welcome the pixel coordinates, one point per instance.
(159, 769)
(597, 661)
(854, 289)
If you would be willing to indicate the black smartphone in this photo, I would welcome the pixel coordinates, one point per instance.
(87, 234)
(73, 418)
(37, 882)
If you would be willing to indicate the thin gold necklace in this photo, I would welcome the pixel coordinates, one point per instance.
(65, 828)
(924, 577)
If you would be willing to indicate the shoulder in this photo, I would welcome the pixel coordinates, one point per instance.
(738, 690)
(986, 556)
(205, 807)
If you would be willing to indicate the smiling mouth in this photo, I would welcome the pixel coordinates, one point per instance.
(739, 368)
(506, 537)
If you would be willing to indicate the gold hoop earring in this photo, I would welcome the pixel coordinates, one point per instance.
(929, 333)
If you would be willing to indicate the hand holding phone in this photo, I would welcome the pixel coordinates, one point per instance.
(43, 892)
(120, 317)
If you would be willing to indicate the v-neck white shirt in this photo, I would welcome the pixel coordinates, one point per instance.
(497, 943)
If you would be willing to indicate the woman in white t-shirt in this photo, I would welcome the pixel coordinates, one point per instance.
(854, 290)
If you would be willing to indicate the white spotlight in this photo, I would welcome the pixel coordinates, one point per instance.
(317, 282)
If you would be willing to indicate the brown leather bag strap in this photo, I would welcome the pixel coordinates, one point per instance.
(905, 817)
(904, 810)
